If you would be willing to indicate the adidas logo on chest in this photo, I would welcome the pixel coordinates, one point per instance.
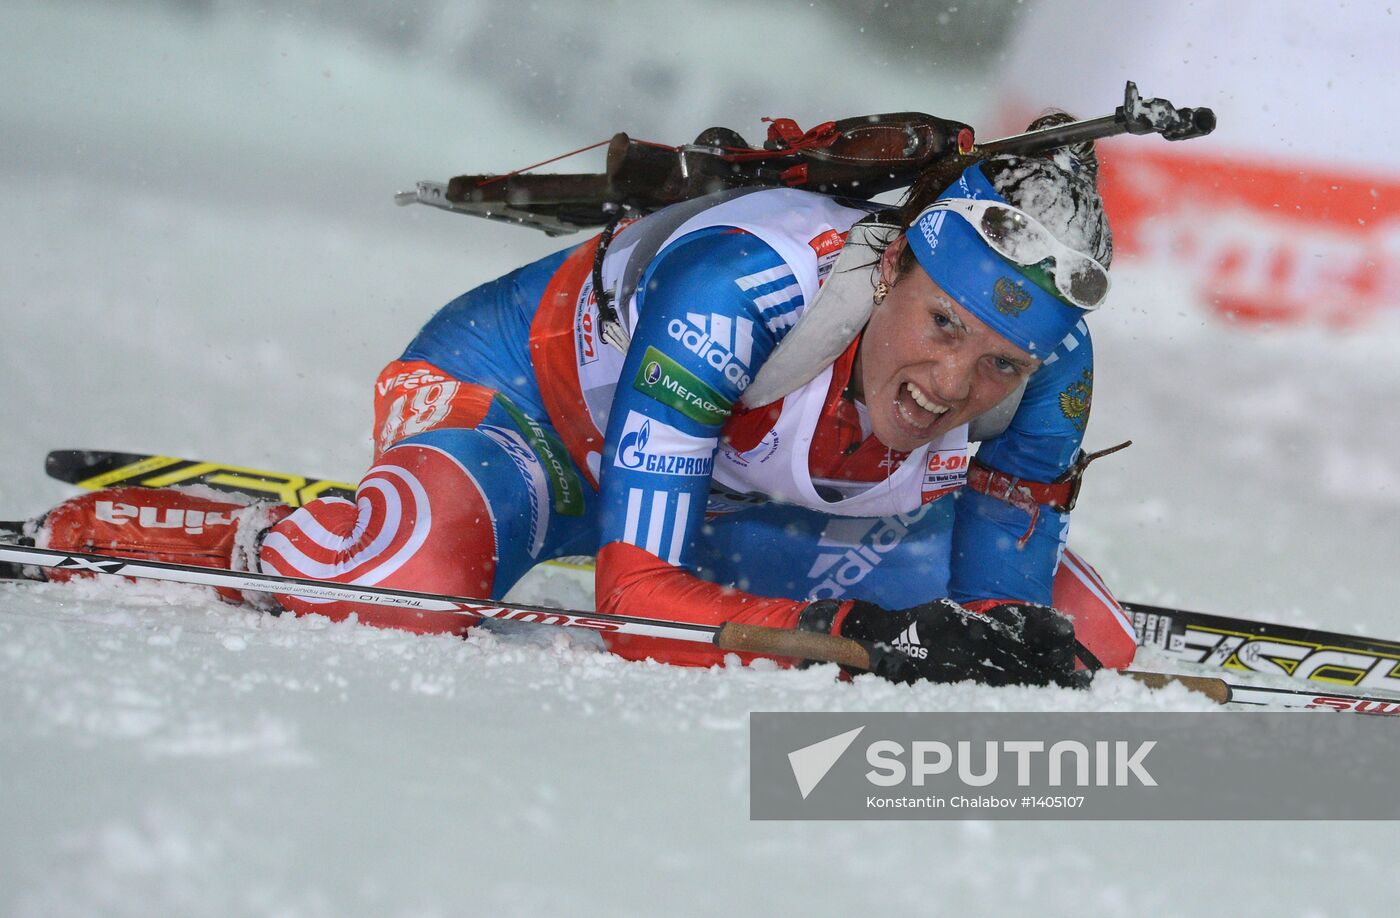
(724, 342)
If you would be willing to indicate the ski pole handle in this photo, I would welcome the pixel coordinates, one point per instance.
(785, 642)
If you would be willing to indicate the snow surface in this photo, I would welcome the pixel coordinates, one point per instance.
(199, 256)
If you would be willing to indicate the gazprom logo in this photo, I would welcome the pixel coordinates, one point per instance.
(631, 449)
(648, 445)
(930, 225)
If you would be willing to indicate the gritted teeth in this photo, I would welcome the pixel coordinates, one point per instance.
(923, 401)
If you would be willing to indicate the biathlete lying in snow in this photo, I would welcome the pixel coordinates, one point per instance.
(786, 440)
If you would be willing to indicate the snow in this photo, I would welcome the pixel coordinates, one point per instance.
(199, 256)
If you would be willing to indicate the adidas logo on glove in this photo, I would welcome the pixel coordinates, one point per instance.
(908, 643)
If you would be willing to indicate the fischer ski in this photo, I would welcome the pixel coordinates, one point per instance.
(1242, 645)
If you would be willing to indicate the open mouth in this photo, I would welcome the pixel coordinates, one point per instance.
(916, 409)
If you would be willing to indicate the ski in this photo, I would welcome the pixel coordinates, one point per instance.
(1223, 691)
(94, 468)
(1219, 641)
(730, 636)
(1242, 645)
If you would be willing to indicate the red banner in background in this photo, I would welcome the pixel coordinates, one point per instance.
(1261, 241)
(1287, 213)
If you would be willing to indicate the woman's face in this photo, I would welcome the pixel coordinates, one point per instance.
(926, 365)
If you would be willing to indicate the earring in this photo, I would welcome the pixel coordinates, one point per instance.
(882, 290)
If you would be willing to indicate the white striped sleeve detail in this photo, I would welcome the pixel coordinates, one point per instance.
(634, 512)
(780, 322)
(751, 281)
(657, 523)
(678, 528)
(788, 294)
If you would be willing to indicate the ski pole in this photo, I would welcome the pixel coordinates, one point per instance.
(735, 636)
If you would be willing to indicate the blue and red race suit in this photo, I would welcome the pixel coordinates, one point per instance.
(509, 433)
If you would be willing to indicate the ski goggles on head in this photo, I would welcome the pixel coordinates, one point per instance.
(1020, 238)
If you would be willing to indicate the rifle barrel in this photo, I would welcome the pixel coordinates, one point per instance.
(1058, 136)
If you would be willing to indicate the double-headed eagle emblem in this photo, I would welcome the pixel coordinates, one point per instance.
(1075, 400)
(1010, 297)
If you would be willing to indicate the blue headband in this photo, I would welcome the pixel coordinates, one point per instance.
(981, 281)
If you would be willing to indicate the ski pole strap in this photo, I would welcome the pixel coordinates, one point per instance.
(1059, 495)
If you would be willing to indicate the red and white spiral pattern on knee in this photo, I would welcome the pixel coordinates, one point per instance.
(419, 521)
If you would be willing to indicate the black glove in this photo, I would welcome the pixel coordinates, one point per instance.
(940, 641)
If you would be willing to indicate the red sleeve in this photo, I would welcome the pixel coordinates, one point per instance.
(632, 581)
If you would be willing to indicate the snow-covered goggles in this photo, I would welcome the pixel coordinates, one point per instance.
(1018, 237)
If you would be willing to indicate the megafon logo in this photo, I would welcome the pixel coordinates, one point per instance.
(724, 342)
(191, 521)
